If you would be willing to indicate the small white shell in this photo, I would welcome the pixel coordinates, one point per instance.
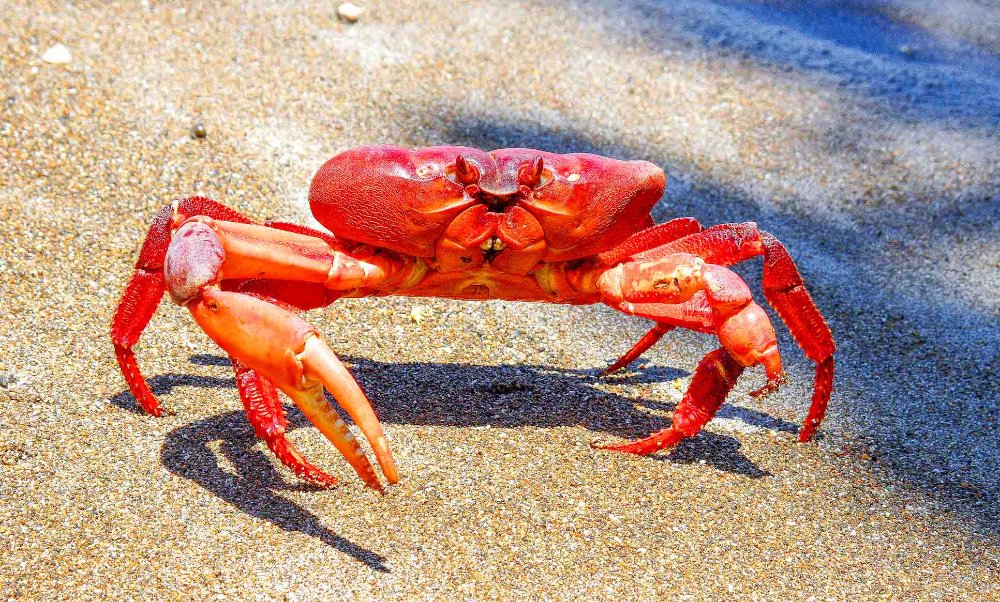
(57, 55)
(350, 12)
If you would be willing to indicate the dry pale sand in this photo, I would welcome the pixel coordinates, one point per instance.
(866, 139)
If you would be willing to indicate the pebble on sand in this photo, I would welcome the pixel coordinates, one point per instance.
(350, 12)
(57, 55)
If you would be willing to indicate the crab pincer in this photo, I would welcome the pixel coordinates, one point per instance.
(287, 351)
(206, 264)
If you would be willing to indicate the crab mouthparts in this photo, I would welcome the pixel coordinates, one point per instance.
(491, 247)
(497, 203)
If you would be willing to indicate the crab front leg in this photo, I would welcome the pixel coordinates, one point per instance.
(267, 336)
(682, 290)
(243, 283)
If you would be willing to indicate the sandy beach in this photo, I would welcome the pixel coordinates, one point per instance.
(864, 135)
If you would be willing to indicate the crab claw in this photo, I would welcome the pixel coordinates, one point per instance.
(319, 362)
(288, 352)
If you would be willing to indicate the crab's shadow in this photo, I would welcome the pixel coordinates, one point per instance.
(250, 482)
(510, 396)
(429, 394)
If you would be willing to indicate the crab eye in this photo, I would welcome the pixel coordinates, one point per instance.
(530, 173)
(465, 172)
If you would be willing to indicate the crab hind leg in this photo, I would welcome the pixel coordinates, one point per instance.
(714, 377)
(786, 293)
(146, 287)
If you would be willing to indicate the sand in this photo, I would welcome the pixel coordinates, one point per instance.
(867, 139)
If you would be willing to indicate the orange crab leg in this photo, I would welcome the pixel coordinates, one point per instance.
(253, 251)
(138, 304)
(784, 290)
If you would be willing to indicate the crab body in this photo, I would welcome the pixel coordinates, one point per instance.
(460, 223)
(492, 217)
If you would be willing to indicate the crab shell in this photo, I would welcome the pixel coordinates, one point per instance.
(461, 207)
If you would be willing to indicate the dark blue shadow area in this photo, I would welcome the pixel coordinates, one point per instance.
(462, 395)
(255, 488)
(860, 26)
(494, 383)
(920, 73)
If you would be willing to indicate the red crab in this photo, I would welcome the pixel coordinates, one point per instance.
(456, 222)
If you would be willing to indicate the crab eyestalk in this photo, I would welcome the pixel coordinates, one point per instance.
(530, 173)
(466, 173)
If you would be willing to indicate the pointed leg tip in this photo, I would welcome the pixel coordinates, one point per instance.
(624, 448)
(607, 445)
(372, 481)
(658, 441)
(615, 367)
(155, 408)
(640, 447)
(772, 385)
(383, 455)
(291, 458)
